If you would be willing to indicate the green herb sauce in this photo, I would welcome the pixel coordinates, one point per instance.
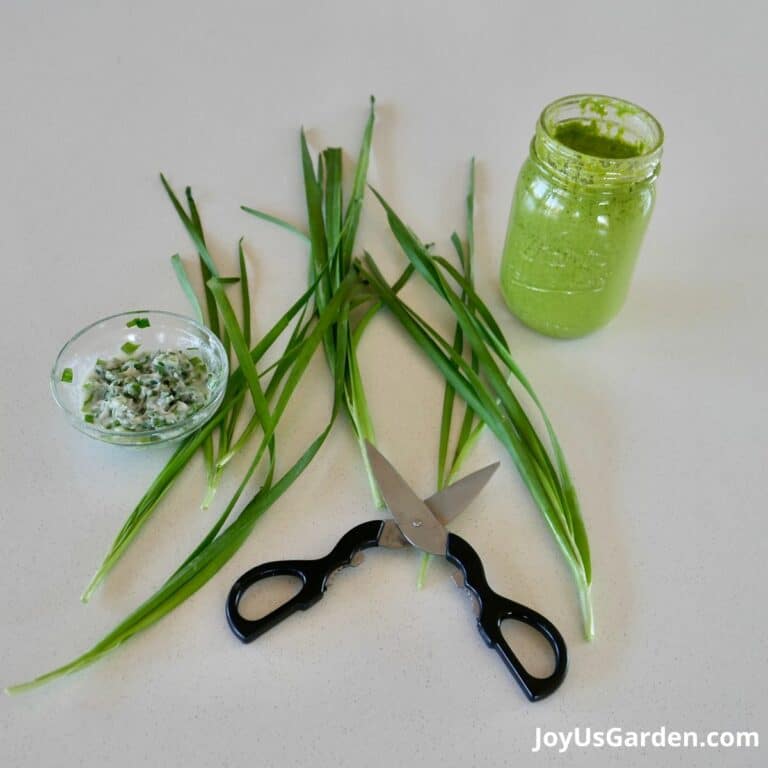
(586, 137)
(148, 391)
(581, 207)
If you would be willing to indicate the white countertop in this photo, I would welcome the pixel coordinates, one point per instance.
(662, 414)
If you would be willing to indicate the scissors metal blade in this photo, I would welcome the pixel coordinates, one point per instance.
(451, 501)
(415, 519)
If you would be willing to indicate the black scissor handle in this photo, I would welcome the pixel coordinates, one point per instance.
(314, 575)
(494, 609)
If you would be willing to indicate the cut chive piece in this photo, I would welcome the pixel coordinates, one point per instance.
(129, 347)
(138, 322)
(88, 418)
(66, 375)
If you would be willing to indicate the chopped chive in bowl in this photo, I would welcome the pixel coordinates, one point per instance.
(148, 391)
(102, 370)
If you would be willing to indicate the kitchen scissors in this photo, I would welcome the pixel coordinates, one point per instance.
(420, 524)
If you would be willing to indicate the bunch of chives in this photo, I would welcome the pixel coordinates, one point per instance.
(483, 382)
(343, 296)
(332, 312)
(332, 231)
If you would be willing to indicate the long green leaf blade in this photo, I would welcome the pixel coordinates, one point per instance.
(186, 287)
(247, 365)
(143, 511)
(355, 205)
(465, 382)
(190, 577)
(277, 221)
(318, 242)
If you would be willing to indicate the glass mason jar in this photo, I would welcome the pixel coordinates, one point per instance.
(581, 207)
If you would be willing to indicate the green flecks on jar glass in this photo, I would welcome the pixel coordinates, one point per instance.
(581, 206)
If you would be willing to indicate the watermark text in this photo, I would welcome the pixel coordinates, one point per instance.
(621, 738)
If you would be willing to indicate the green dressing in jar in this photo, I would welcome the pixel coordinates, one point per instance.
(581, 207)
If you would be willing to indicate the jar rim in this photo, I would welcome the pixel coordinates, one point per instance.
(591, 104)
(616, 118)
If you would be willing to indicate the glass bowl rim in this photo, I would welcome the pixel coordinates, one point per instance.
(177, 429)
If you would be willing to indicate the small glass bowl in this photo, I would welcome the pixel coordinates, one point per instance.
(104, 339)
